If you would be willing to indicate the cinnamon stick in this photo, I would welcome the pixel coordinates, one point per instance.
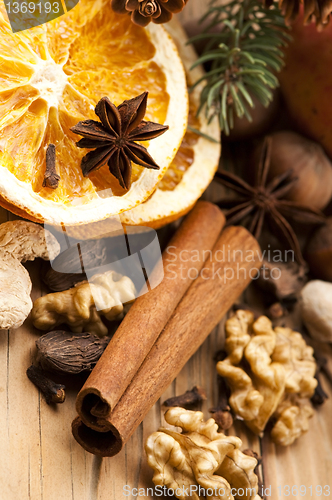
(182, 261)
(221, 281)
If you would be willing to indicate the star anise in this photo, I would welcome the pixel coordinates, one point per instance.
(114, 138)
(265, 201)
(144, 11)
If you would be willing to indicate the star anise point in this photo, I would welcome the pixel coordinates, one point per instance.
(265, 200)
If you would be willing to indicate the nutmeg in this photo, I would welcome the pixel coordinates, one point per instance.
(58, 282)
(262, 118)
(319, 252)
(68, 268)
(309, 164)
(65, 352)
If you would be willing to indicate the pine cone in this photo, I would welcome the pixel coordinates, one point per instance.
(144, 11)
(314, 10)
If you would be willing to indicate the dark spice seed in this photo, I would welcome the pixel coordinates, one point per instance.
(222, 412)
(52, 392)
(51, 178)
(64, 352)
(189, 399)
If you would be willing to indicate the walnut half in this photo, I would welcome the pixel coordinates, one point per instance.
(77, 306)
(271, 376)
(200, 461)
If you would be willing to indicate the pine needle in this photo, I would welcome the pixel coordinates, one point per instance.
(243, 57)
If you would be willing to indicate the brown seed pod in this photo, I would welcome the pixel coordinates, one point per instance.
(319, 252)
(58, 282)
(63, 352)
(68, 268)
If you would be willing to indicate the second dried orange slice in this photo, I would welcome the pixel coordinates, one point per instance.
(196, 161)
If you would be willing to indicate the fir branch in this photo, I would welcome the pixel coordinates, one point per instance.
(243, 56)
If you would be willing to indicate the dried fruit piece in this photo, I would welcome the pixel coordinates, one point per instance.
(51, 81)
(196, 161)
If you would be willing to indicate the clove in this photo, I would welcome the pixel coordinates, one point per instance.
(276, 311)
(52, 392)
(319, 397)
(323, 366)
(51, 178)
(257, 470)
(188, 400)
(222, 412)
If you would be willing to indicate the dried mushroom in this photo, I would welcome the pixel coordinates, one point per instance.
(81, 307)
(20, 241)
(200, 460)
(271, 374)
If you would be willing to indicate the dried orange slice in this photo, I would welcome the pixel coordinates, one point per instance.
(51, 77)
(195, 163)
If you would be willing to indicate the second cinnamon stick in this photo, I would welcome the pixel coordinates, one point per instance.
(235, 261)
(182, 261)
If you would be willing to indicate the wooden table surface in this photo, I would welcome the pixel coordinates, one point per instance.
(40, 460)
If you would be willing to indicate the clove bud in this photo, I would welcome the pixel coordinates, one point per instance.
(276, 311)
(222, 412)
(52, 392)
(188, 400)
(319, 397)
(51, 178)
